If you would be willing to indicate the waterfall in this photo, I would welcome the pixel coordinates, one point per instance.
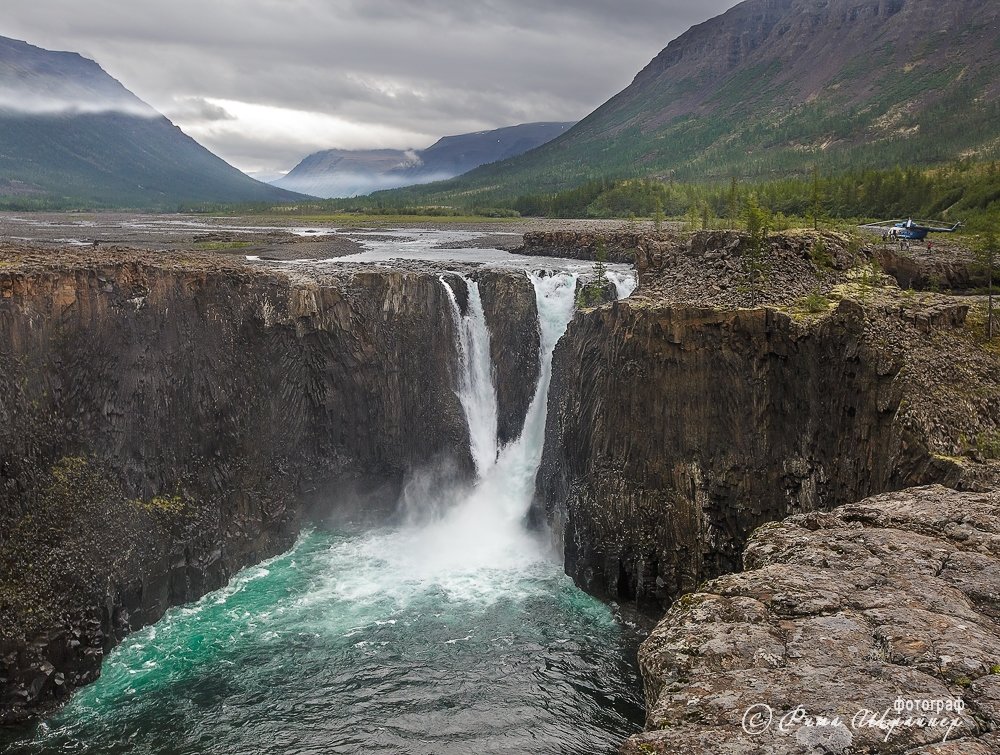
(506, 476)
(518, 463)
(625, 283)
(476, 391)
(508, 473)
(462, 534)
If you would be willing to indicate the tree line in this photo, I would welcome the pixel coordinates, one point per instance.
(961, 191)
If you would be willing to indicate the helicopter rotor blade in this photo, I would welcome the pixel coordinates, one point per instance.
(882, 224)
(932, 226)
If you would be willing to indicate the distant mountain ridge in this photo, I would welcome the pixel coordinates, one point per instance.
(338, 172)
(773, 87)
(72, 135)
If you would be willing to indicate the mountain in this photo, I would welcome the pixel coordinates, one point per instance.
(71, 135)
(773, 87)
(347, 172)
(340, 173)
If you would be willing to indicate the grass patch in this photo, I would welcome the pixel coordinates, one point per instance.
(959, 460)
(975, 328)
(987, 446)
(170, 505)
(810, 305)
(816, 303)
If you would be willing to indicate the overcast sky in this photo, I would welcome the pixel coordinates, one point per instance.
(265, 82)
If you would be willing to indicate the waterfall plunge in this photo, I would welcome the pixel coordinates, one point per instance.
(513, 479)
(449, 636)
(510, 469)
(482, 528)
(476, 391)
(625, 283)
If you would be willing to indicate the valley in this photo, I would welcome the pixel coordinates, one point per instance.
(666, 421)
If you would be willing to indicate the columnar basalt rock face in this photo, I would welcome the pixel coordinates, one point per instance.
(512, 317)
(677, 428)
(894, 598)
(166, 421)
(715, 423)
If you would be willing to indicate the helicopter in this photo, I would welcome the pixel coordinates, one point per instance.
(908, 230)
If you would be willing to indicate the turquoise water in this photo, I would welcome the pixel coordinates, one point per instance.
(367, 642)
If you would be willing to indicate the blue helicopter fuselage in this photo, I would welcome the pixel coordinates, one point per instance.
(910, 232)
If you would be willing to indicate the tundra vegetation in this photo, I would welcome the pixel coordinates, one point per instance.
(963, 190)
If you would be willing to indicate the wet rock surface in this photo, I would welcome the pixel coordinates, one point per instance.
(169, 418)
(512, 318)
(895, 598)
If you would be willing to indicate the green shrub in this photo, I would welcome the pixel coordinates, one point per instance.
(988, 445)
(819, 253)
(816, 303)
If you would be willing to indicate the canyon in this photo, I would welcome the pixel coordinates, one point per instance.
(168, 419)
(199, 406)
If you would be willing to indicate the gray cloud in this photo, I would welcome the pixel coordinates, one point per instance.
(197, 110)
(356, 184)
(29, 102)
(263, 82)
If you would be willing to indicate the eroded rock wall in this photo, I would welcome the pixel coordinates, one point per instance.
(736, 388)
(166, 422)
(675, 432)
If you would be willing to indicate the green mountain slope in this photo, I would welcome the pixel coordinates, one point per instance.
(773, 87)
(70, 135)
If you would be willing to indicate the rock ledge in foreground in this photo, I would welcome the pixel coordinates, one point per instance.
(896, 597)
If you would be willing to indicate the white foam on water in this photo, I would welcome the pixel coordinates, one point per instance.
(476, 390)
(476, 547)
(625, 283)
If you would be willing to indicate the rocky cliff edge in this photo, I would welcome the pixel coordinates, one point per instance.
(869, 629)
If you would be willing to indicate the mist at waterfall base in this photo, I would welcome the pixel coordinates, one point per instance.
(455, 632)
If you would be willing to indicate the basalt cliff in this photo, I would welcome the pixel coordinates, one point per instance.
(731, 391)
(755, 384)
(168, 420)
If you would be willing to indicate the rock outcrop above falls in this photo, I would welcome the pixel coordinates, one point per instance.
(889, 604)
(941, 266)
(619, 245)
(167, 419)
(685, 417)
